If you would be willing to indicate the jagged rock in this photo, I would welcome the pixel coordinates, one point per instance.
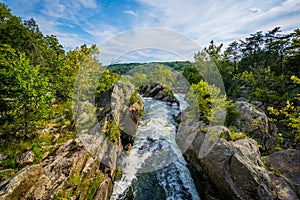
(287, 162)
(70, 169)
(160, 92)
(232, 170)
(105, 189)
(284, 190)
(256, 124)
(83, 168)
(25, 158)
(116, 102)
(17, 186)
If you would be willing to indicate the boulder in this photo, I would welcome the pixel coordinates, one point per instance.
(236, 170)
(160, 92)
(287, 163)
(25, 158)
(284, 190)
(230, 170)
(17, 186)
(256, 124)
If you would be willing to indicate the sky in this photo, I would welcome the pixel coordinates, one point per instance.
(117, 23)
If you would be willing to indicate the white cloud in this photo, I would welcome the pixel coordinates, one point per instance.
(220, 20)
(254, 10)
(130, 12)
(148, 38)
(88, 3)
(224, 21)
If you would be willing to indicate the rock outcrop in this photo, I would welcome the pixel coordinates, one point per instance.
(85, 167)
(231, 170)
(160, 92)
(286, 165)
(256, 124)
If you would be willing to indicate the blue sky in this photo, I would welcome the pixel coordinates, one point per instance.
(75, 22)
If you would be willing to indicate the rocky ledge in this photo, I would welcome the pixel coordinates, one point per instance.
(83, 168)
(235, 169)
(160, 92)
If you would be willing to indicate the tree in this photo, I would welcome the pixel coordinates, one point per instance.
(25, 92)
(209, 100)
(293, 61)
(214, 51)
(234, 53)
(271, 54)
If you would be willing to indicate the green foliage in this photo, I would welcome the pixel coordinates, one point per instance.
(77, 186)
(107, 80)
(236, 134)
(151, 73)
(135, 98)
(26, 92)
(291, 113)
(209, 100)
(94, 187)
(191, 74)
(112, 130)
(231, 114)
(118, 174)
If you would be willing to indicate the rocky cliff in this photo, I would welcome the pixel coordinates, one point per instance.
(236, 169)
(83, 168)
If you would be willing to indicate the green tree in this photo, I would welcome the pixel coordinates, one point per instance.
(234, 54)
(25, 91)
(209, 100)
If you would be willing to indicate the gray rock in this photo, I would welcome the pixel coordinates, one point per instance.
(233, 170)
(3, 157)
(25, 158)
(17, 186)
(72, 169)
(160, 92)
(287, 162)
(284, 190)
(256, 124)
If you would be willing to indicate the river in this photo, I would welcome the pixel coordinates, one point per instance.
(155, 167)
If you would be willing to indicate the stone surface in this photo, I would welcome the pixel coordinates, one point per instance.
(287, 162)
(231, 170)
(256, 124)
(17, 186)
(284, 190)
(160, 92)
(25, 158)
(3, 157)
(82, 168)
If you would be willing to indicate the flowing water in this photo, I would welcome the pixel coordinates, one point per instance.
(155, 167)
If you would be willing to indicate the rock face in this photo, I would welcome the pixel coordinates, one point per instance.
(83, 168)
(230, 170)
(25, 158)
(287, 165)
(255, 122)
(160, 92)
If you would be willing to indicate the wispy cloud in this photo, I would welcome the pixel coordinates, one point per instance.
(130, 12)
(254, 10)
(224, 21)
(93, 21)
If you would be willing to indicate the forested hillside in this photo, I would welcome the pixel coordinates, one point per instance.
(37, 81)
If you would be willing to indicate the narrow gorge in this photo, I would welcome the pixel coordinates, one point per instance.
(145, 160)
